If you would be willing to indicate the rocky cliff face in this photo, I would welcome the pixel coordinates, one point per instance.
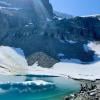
(21, 17)
(77, 28)
(42, 59)
(33, 10)
(32, 26)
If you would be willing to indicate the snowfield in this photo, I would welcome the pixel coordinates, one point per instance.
(12, 62)
(9, 8)
(73, 68)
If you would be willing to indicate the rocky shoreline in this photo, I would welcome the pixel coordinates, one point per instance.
(89, 90)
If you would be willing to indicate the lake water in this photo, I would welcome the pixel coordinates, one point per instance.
(56, 91)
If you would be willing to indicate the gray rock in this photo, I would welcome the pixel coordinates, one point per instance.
(42, 59)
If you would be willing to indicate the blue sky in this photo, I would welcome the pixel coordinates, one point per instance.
(77, 7)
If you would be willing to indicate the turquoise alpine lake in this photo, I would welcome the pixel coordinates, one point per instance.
(53, 88)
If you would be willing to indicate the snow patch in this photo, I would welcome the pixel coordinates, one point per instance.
(91, 15)
(9, 8)
(5, 3)
(86, 48)
(48, 19)
(30, 23)
(95, 47)
(71, 41)
(78, 61)
(61, 55)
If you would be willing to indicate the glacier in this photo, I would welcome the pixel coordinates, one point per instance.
(13, 62)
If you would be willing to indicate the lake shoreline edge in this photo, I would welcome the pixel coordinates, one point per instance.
(88, 94)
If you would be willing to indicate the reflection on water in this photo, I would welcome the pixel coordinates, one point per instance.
(55, 91)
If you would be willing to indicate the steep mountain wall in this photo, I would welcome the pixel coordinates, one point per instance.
(32, 26)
